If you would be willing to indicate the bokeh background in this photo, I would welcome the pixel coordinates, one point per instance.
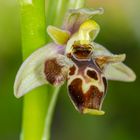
(120, 32)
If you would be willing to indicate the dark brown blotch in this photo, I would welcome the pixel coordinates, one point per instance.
(72, 70)
(52, 71)
(91, 99)
(105, 83)
(75, 91)
(92, 74)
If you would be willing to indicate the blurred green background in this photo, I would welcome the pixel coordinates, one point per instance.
(120, 32)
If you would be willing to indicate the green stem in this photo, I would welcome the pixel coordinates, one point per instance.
(49, 116)
(39, 105)
(33, 30)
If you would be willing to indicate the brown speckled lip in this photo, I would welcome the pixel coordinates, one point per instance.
(93, 97)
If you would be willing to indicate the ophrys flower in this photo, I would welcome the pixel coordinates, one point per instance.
(75, 58)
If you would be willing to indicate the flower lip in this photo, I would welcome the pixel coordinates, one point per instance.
(85, 94)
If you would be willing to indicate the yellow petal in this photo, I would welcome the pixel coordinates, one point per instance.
(58, 36)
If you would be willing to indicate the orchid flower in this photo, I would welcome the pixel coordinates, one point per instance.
(74, 57)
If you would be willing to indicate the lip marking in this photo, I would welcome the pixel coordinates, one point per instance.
(72, 70)
(92, 74)
(91, 99)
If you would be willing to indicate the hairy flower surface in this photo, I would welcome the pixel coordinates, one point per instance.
(75, 58)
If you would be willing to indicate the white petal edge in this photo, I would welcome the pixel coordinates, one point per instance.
(31, 75)
(119, 72)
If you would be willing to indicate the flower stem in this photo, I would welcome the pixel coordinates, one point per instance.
(33, 26)
(39, 104)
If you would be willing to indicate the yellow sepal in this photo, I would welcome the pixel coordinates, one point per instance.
(58, 36)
